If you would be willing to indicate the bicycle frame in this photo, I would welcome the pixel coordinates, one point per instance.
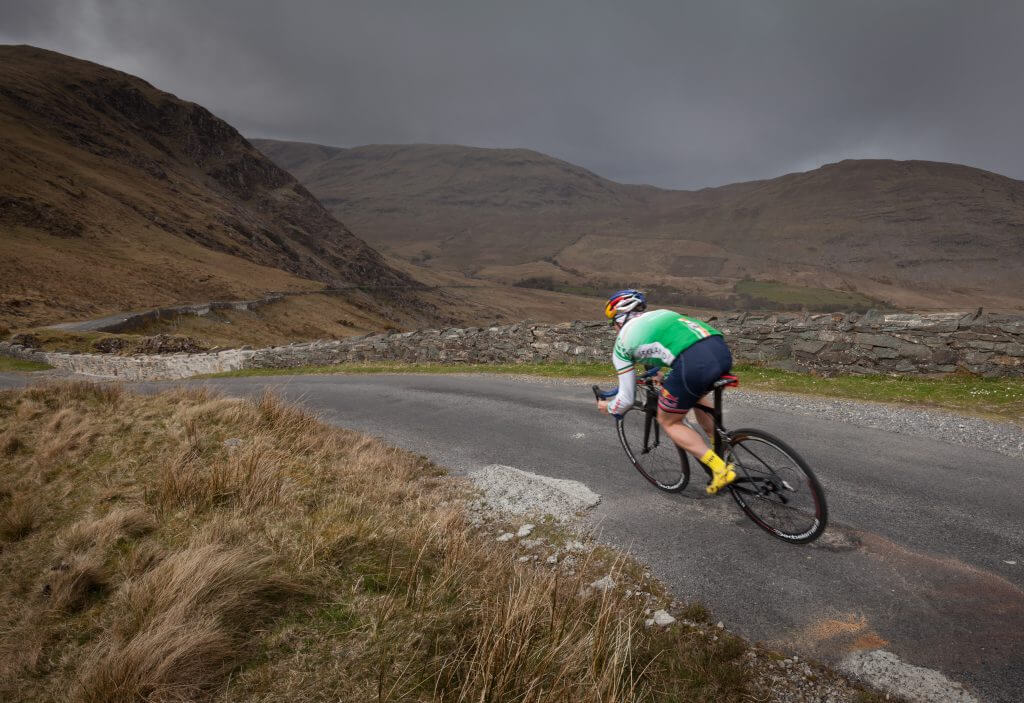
(716, 417)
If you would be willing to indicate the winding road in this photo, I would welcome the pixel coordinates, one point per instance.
(924, 555)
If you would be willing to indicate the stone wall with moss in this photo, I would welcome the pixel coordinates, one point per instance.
(988, 345)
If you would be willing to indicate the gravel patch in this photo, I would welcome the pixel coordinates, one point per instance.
(886, 671)
(511, 491)
(965, 430)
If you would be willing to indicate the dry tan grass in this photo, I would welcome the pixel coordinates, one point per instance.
(299, 563)
(18, 518)
(182, 625)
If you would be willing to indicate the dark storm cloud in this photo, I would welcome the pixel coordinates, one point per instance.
(671, 93)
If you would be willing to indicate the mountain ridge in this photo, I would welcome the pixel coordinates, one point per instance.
(914, 233)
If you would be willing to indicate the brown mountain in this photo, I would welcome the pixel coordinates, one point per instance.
(115, 195)
(911, 233)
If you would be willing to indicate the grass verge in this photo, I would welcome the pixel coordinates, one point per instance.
(1001, 398)
(10, 364)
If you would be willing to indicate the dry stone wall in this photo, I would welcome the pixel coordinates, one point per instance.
(833, 343)
(155, 367)
(989, 345)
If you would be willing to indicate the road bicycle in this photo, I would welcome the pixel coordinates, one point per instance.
(774, 486)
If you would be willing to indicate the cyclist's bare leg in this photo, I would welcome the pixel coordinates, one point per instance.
(685, 437)
(691, 441)
(704, 419)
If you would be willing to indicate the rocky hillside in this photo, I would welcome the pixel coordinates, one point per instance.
(913, 233)
(115, 195)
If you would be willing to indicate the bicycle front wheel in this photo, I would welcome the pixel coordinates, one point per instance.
(775, 487)
(652, 452)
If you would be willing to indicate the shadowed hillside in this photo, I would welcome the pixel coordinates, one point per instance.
(914, 233)
(116, 195)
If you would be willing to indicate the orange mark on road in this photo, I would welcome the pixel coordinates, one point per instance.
(831, 627)
(847, 632)
(871, 640)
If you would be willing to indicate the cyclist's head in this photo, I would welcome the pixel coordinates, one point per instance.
(624, 304)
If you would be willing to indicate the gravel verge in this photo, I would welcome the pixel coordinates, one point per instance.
(947, 426)
(965, 430)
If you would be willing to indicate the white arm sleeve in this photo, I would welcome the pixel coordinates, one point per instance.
(627, 387)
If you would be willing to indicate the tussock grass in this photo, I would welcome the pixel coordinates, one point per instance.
(18, 518)
(293, 562)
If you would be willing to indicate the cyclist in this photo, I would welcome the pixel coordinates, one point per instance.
(696, 355)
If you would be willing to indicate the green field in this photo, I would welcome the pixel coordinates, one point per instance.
(9, 364)
(1001, 398)
(774, 292)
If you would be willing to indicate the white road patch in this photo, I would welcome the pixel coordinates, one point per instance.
(1011, 562)
(886, 671)
(578, 435)
(513, 491)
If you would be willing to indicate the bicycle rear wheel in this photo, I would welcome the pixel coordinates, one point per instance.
(775, 487)
(652, 452)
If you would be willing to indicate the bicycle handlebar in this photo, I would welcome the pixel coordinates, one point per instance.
(605, 395)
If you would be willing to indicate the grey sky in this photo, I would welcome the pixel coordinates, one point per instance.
(673, 93)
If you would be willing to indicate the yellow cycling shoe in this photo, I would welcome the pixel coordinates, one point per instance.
(721, 479)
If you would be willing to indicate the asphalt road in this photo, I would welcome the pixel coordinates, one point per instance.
(914, 561)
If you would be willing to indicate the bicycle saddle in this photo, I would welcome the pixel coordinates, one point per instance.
(727, 380)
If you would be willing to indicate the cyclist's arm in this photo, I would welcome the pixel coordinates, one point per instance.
(623, 401)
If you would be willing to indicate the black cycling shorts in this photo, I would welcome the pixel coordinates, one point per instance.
(693, 374)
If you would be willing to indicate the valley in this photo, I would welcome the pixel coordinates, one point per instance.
(870, 233)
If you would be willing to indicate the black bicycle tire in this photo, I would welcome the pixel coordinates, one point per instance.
(683, 460)
(814, 486)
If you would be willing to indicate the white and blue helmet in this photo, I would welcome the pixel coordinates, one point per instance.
(625, 302)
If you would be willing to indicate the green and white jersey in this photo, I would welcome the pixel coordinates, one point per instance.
(655, 338)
